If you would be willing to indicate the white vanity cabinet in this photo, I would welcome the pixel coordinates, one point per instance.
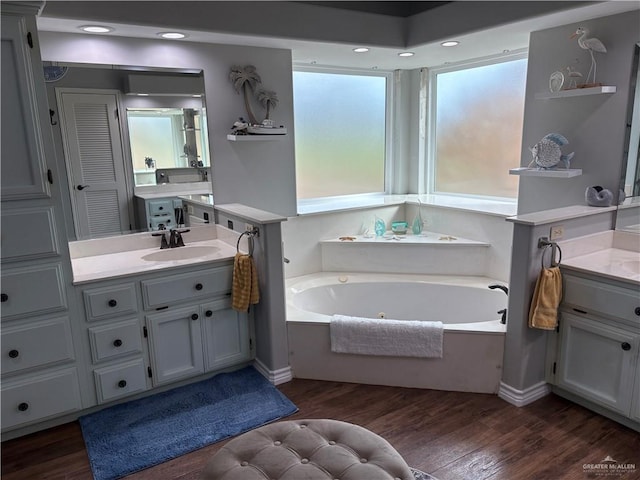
(193, 328)
(116, 342)
(40, 369)
(598, 341)
(158, 213)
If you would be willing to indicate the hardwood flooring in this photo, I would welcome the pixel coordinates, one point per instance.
(454, 436)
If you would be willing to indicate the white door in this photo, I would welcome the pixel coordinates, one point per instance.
(95, 161)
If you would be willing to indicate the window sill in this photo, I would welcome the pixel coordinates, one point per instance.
(358, 202)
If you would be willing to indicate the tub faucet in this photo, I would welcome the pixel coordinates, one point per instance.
(501, 287)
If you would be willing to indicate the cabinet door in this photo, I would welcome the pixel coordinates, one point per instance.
(175, 344)
(24, 142)
(635, 402)
(596, 361)
(226, 335)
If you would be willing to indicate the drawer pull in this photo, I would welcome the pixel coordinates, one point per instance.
(625, 346)
(637, 311)
(198, 286)
(160, 208)
(122, 383)
(194, 316)
(117, 342)
(4, 297)
(112, 303)
(208, 313)
(23, 407)
(13, 353)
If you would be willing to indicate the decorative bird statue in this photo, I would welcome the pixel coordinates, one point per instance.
(547, 154)
(592, 45)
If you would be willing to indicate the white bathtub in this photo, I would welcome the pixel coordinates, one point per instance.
(473, 338)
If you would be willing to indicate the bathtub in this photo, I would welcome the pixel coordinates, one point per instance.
(473, 334)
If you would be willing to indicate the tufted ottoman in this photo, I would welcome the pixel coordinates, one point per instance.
(308, 450)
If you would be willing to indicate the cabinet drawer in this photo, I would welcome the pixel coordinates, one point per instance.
(609, 300)
(34, 235)
(115, 340)
(161, 207)
(108, 302)
(33, 290)
(120, 380)
(36, 344)
(40, 397)
(187, 286)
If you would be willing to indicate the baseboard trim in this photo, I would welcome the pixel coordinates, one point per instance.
(520, 398)
(282, 375)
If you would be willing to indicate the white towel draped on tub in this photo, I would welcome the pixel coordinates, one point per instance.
(397, 338)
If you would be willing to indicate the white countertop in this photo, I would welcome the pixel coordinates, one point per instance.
(612, 263)
(122, 255)
(120, 264)
(173, 190)
(205, 200)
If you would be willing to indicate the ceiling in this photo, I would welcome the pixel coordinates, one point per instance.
(307, 49)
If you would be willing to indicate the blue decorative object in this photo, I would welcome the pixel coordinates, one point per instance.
(53, 73)
(380, 227)
(136, 435)
(597, 196)
(547, 154)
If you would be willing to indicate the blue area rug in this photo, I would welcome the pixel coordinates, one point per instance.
(136, 435)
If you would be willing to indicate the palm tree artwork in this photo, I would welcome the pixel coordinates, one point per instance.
(245, 78)
(268, 99)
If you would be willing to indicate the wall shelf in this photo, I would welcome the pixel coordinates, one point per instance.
(577, 92)
(534, 172)
(253, 138)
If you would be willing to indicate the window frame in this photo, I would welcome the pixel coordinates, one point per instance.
(389, 119)
(430, 140)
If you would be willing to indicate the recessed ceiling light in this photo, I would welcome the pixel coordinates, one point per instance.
(361, 49)
(406, 54)
(450, 43)
(172, 35)
(96, 29)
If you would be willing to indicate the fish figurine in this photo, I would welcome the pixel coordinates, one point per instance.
(547, 154)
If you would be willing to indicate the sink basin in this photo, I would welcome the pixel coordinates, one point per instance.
(632, 266)
(180, 253)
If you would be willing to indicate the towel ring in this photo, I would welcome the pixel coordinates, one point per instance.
(554, 247)
(250, 234)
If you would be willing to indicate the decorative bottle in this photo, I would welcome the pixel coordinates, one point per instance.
(380, 227)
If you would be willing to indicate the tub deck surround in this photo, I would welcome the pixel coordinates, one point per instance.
(435, 253)
(120, 256)
(473, 338)
(612, 254)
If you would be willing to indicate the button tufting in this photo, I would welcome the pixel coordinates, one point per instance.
(331, 442)
(304, 460)
(277, 443)
(303, 425)
(363, 460)
(244, 464)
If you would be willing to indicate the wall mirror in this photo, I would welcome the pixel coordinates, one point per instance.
(628, 213)
(121, 130)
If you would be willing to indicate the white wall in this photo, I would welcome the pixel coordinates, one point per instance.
(594, 125)
(261, 174)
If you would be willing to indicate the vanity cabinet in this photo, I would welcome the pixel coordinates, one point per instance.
(204, 335)
(40, 369)
(159, 213)
(151, 330)
(598, 341)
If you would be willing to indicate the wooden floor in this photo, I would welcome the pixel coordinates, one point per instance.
(453, 436)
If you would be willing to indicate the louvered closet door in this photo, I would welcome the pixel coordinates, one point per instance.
(94, 156)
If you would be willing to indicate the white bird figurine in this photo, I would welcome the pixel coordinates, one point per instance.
(590, 44)
(573, 75)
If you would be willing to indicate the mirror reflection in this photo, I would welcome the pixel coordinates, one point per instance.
(129, 136)
(167, 139)
(628, 215)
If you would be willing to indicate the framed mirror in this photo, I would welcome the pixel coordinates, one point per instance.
(628, 213)
(121, 131)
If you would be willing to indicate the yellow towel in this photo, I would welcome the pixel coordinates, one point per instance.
(244, 288)
(543, 313)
